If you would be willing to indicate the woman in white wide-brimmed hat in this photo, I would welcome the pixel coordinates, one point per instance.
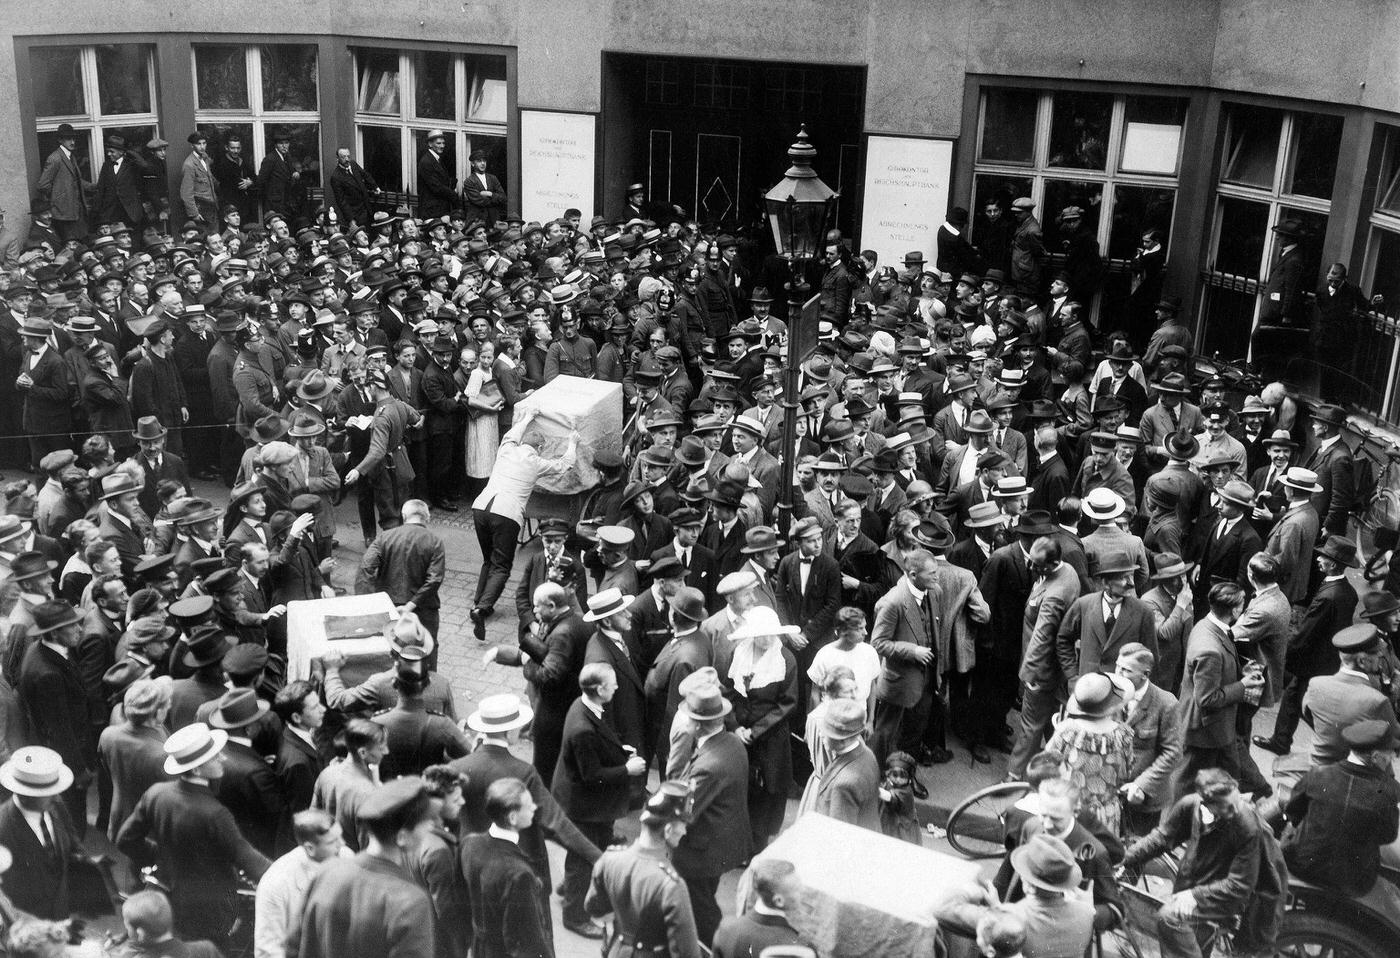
(760, 679)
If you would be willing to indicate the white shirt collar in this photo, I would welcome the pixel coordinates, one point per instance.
(918, 594)
(504, 834)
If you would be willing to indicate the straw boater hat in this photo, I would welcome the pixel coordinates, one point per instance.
(607, 603)
(500, 713)
(192, 746)
(37, 772)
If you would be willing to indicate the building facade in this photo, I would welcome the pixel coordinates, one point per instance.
(1209, 120)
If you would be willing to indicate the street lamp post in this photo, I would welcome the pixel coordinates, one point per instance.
(799, 208)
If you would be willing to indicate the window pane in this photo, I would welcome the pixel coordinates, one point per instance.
(136, 136)
(1002, 189)
(1137, 209)
(221, 77)
(486, 89)
(1152, 130)
(48, 142)
(434, 86)
(383, 160)
(58, 81)
(1314, 154)
(219, 133)
(1388, 176)
(124, 78)
(1241, 243)
(1251, 145)
(449, 151)
(304, 153)
(1061, 194)
(289, 77)
(1079, 130)
(377, 87)
(1008, 125)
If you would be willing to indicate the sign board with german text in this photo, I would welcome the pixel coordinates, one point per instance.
(558, 153)
(906, 195)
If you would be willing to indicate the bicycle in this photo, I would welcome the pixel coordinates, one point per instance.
(977, 826)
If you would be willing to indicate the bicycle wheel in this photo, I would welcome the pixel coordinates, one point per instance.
(976, 828)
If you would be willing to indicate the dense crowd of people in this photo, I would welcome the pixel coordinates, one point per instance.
(1010, 528)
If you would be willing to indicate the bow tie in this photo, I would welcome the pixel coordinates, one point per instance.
(806, 560)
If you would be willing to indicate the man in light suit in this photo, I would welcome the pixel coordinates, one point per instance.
(1310, 652)
(1103, 507)
(1153, 717)
(198, 190)
(1295, 534)
(1097, 626)
(849, 787)
(718, 837)
(747, 434)
(61, 187)
(1335, 702)
(905, 633)
(1332, 461)
(1055, 590)
(1261, 634)
(484, 197)
(1170, 603)
(1212, 689)
(823, 500)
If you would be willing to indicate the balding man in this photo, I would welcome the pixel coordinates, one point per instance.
(408, 562)
(551, 662)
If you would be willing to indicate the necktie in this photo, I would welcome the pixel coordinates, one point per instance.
(1171, 413)
(1001, 436)
(46, 836)
(1110, 620)
(685, 558)
(927, 606)
(962, 417)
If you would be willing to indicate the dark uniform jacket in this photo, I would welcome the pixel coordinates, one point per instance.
(1342, 815)
(648, 900)
(417, 738)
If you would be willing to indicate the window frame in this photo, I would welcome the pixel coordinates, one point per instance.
(92, 122)
(407, 122)
(256, 114)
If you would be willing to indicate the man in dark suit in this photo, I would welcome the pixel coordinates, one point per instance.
(906, 633)
(776, 885)
(385, 466)
(183, 827)
(1283, 303)
(248, 788)
(849, 787)
(551, 662)
(118, 197)
(809, 593)
(1332, 461)
(409, 563)
(1310, 651)
(495, 720)
(120, 502)
(156, 462)
(485, 198)
(351, 188)
(54, 702)
(1212, 688)
(862, 571)
(554, 534)
(612, 645)
(233, 172)
(718, 837)
(1267, 482)
(1222, 548)
(688, 650)
(298, 762)
(38, 832)
(1098, 625)
(592, 783)
(278, 182)
(724, 532)
(443, 411)
(1006, 582)
(701, 567)
(46, 383)
(437, 194)
(502, 886)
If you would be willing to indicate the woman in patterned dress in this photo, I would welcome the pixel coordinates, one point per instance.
(1097, 745)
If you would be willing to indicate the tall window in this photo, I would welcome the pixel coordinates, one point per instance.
(259, 92)
(99, 90)
(400, 96)
(1115, 156)
(1275, 166)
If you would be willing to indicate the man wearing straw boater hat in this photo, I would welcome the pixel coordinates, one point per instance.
(38, 831)
(181, 826)
(497, 720)
(1295, 534)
